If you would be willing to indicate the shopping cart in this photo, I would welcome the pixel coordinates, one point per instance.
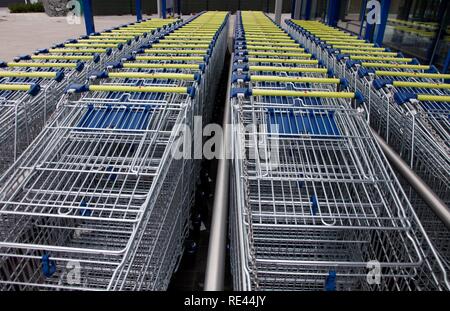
(191, 49)
(190, 46)
(53, 71)
(16, 103)
(407, 105)
(315, 204)
(98, 49)
(100, 200)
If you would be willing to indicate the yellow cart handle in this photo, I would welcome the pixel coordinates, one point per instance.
(179, 58)
(129, 33)
(91, 45)
(79, 51)
(352, 43)
(44, 65)
(157, 51)
(299, 55)
(24, 74)
(286, 61)
(157, 65)
(113, 36)
(253, 43)
(278, 40)
(357, 48)
(31, 89)
(287, 69)
(373, 53)
(294, 79)
(277, 48)
(174, 41)
(102, 40)
(182, 46)
(143, 75)
(267, 92)
(382, 73)
(399, 66)
(15, 87)
(434, 98)
(63, 57)
(424, 85)
(136, 89)
(385, 59)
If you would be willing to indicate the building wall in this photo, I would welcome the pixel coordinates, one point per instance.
(354, 6)
(5, 3)
(120, 7)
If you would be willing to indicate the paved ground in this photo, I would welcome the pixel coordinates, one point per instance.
(23, 33)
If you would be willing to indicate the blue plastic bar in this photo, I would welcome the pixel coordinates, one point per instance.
(88, 16)
(381, 28)
(138, 10)
(308, 9)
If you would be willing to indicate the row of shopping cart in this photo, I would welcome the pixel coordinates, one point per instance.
(315, 204)
(100, 200)
(31, 85)
(408, 105)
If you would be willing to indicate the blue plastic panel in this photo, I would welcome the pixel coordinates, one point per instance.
(310, 122)
(124, 118)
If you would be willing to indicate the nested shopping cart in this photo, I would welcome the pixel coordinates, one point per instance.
(22, 116)
(100, 200)
(189, 48)
(16, 101)
(314, 202)
(194, 48)
(98, 49)
(408, 105)
(53, 71)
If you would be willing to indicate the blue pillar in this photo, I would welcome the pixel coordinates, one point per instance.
(163, 8)
(179, 7)
(446, 63)
(88, 16)
(439, 35)
(362, 16)
(293, 4)
(308, 9)
(370, 28)
(333, 12)
(138, 10)
(381, 28)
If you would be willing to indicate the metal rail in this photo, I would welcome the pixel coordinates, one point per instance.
(426, 193)
(215, 264)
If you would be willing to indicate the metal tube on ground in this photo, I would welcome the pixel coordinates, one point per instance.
(215, 265)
